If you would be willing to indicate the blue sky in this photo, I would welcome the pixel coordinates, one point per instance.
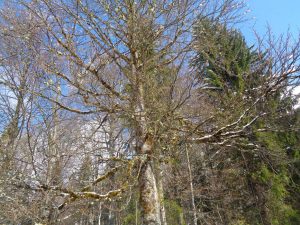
(281, 15)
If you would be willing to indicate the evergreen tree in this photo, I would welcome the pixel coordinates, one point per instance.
(257, 178)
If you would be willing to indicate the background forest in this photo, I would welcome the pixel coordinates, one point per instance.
(152, 112)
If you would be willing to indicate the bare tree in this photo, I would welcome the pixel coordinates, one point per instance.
(146, 43)
(124, 65)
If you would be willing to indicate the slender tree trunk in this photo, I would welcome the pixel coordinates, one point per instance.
(136, 212)
(8, 137)
(100, 213)
(55, 166)
(161, 197)
(191, 186)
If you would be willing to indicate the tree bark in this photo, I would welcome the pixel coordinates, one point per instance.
(191, 186)
(149, 197)
(161, 197)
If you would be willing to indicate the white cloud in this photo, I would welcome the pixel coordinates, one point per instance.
(296, 93)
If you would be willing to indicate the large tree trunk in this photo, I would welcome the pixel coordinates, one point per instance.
(148, 189)
(149, 201)
(149, 198)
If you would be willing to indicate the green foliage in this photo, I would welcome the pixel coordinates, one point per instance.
(130, 219)
(225, 61)
(270, 140)
(174, 212)
(280, 184)
(222, 55)
(240, 222)
(279, 211)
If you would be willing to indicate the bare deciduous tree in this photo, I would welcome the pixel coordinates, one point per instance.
(114, 90)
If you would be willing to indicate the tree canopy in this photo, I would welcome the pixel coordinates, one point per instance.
(145, 112)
